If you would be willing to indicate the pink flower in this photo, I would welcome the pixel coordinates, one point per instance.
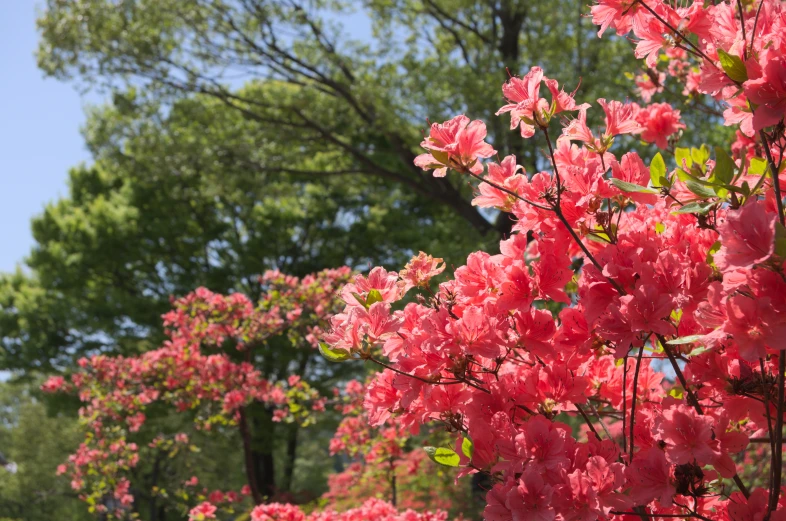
(53, 384)
(620, 118)
(522, 95)
(506, 174)
(527, 109)
(631, 169)
(456, 144)
(687, 435)
(530, 500)
(216, 497)
(649, 84)
(420, 269)
(277, 512)
(135, 421)
(619, 14)
(233, 400)
(650, 476)
(747, 237)
(659, 121)
(754, 326)
(769, 93)
(202, 511)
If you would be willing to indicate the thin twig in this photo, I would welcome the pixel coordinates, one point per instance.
(633, 402)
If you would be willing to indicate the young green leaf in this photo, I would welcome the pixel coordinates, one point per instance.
(699, 188)
(695, 207)
(684, 340)
(374, 296)
(333, 355)
(360, 299)
(657, 169)
(631, 187)
(733, 66)
(780, 240)
(711, 253)
(443, 456)
(684, 160)
(724, 166)
(757, 167)
(467, 447)
(700, 156)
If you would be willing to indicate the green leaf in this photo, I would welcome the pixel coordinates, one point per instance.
(724, 167)
(697, 351)
(467, 447)
(333, 355)
(684, 340)
(757, 167)
(733, 66)
(711, 253)
(443, 456)
(660, 228)
(600, 237)
(700, 188)
(374, 296)
(631, 187)
(683, 157)
(360, 299)
(696, 207)
(442, 157)
(700, 156)
(657, 169)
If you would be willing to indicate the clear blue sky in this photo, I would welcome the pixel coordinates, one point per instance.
(39, 132)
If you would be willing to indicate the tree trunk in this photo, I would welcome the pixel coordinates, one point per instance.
(289, 464)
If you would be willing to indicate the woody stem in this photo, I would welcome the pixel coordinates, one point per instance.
(558, 211)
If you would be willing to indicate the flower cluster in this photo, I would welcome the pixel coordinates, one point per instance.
(372, 509)
(623, 278)
(737, 50)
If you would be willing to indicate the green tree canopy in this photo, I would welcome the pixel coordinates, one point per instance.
(425, 58)
(249, 134)
(34, 443)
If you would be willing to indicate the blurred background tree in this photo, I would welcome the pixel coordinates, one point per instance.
(32, 443)
(242, 135)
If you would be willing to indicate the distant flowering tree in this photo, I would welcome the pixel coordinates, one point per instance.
(675, 263)
(206, 369)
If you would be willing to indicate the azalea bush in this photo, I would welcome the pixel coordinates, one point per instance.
(212, 370)
(666, 271)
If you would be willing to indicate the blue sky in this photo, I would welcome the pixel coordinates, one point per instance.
(39, 132)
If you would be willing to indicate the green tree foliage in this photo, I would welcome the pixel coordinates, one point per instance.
(34, 443)
(251, 134)
(423, 57)
(177, 200)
